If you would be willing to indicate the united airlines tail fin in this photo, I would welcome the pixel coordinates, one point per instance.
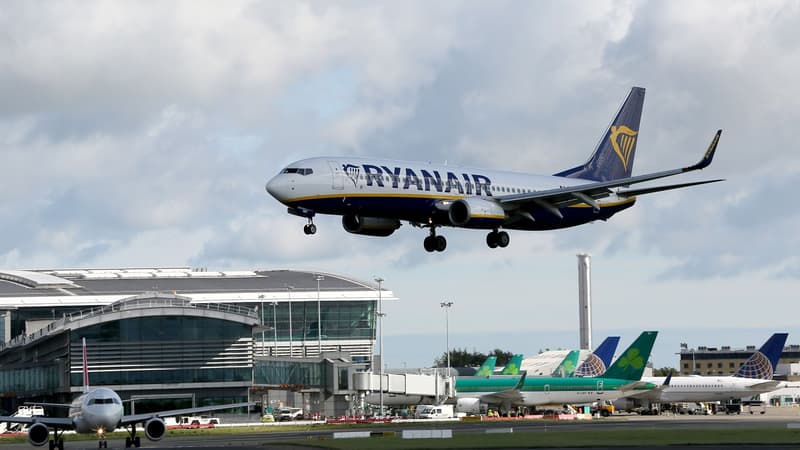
(762, 364)
(613, 157)
(487, 368)
(630, 365)
(513, 365)
(567, 366)
(598, 361)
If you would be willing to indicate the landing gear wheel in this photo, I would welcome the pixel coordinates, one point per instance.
(60, 444)
(429, 243)
(491, 240)
(52, 444)
(310, 229)
(503, 239)
(441, 243)
(128, 442)
(137, 442)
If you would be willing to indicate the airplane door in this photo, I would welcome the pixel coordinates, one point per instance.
(338, 175)
(600, 386)
(547, 392)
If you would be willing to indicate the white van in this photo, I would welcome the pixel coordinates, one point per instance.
(435, 412)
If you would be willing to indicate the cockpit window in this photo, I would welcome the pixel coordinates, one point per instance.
(102, 401)
(299, 170)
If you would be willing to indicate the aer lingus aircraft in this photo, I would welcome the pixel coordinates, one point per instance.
(620, 380)
(374, 195)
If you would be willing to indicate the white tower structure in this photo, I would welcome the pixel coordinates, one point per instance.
(585, 300)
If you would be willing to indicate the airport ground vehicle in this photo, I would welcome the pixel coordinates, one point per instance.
(285, 414)
(435, 411)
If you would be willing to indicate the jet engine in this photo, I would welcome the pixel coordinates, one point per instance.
(155, 428)
(370, 226)
(469, 405)
(38, 434)
(476, 212)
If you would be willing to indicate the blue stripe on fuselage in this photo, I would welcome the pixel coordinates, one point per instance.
(421, 209)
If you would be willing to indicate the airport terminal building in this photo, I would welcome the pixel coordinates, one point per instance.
(175, 337)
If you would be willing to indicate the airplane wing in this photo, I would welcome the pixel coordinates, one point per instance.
(513, 395)
(552, 199)
(771, 384)
(59, 422)
(136, 418)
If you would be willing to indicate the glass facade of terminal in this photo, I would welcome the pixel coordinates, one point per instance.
(340, 320)
(163, 349)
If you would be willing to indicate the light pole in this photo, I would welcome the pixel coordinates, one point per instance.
(446, 306)
(380, 314)
(289, 294)
(319, 317)
(275, 327)
(263, 348)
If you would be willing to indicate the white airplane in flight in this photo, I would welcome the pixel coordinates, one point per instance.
(374, 195)
(99, 411)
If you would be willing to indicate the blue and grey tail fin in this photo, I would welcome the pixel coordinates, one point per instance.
(513, 365)
(613, 157)
(763, 362)
(487, 368)
(599, 360)
(568, 365)
(630, 366)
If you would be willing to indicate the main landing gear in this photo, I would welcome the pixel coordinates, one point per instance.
(434, 243)
(497, 239)
(57, 443)
(133, 440)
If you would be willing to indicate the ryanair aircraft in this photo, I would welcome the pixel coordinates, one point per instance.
(373, 196)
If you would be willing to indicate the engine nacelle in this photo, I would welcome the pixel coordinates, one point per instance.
(469, 405)
(38, 434)
(370, 226)
(476, 213)
(155, 429)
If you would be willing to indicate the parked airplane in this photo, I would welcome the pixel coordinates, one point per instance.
(374, 195)
(99, 411)
(513, 365)
(487, 368)
(753, 377)
(621, 379)
(596, 363)
(568, 365)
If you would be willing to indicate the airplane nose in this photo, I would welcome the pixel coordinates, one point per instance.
(274, 188)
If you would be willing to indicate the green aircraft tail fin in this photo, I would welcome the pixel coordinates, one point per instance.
(568, 365)
(513, 365)
(487, 368)
(630, 366)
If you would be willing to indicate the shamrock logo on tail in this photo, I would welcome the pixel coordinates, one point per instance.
(632, 358)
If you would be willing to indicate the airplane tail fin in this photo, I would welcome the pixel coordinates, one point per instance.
(613, 157)
(630, 366)
(599, 360)
(85, 368)
(567, 366)
(487, 368)
(513, 365)
(762, 364)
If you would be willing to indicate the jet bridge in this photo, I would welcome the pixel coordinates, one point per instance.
(404, 389)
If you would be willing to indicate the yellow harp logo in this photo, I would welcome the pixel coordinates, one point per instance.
(623, 139)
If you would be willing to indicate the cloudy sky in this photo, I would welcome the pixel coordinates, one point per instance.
(142, 133)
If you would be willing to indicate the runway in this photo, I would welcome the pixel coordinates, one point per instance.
(275, 439)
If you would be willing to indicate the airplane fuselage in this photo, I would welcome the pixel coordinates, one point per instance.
(420, 193)
(706, 389)
(98, 409)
